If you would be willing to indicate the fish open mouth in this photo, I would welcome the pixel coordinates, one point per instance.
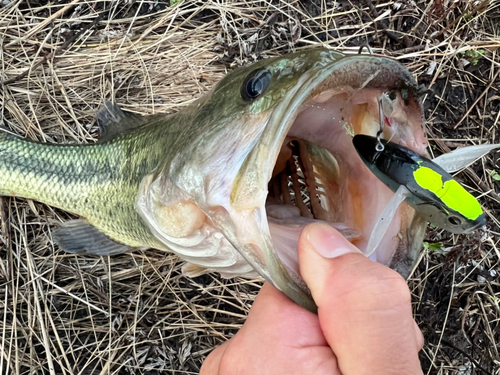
(318, 175)
(288, 164)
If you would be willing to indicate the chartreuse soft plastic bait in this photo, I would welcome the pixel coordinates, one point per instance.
(433, 192)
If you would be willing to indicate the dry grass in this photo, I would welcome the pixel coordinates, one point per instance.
(135, 313)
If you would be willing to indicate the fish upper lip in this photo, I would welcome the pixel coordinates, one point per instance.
(335, 74)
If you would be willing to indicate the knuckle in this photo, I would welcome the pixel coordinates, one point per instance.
(378, 286)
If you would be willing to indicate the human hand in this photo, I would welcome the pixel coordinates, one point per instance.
(364, 323)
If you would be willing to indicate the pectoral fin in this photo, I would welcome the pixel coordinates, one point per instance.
(79, 237)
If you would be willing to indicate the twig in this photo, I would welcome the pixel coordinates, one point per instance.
(469, 357)
(68, 293)
(478, 99)
(446, 317)
(391, 34)
(46, 21)
(3, 221)
(60, 49)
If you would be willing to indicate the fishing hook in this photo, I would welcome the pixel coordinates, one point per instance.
(380, 146)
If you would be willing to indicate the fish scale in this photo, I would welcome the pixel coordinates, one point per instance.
(96, 181)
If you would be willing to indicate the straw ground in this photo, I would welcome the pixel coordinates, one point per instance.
(136, 313)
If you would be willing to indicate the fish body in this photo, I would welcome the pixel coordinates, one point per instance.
(98, 182)
(229, 182)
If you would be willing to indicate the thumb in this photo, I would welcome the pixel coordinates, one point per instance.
(364, 307)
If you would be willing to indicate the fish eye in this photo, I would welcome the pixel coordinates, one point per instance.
(404, 94)
(255, 84)
(453, 220)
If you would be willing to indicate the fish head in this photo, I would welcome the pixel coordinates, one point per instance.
(270, 150)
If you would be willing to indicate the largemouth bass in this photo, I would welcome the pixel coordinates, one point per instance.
(229, 182)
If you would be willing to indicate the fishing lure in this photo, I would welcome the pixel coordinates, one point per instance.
(433, 192)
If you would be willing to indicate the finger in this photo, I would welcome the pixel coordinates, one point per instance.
(212, 362)
(278, 337)
(276, 320)
(364, 308)
(419, 336)
(273, 305)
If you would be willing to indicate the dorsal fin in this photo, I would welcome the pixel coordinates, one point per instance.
(113, 121)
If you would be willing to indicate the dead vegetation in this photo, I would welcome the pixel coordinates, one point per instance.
(135, 313)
